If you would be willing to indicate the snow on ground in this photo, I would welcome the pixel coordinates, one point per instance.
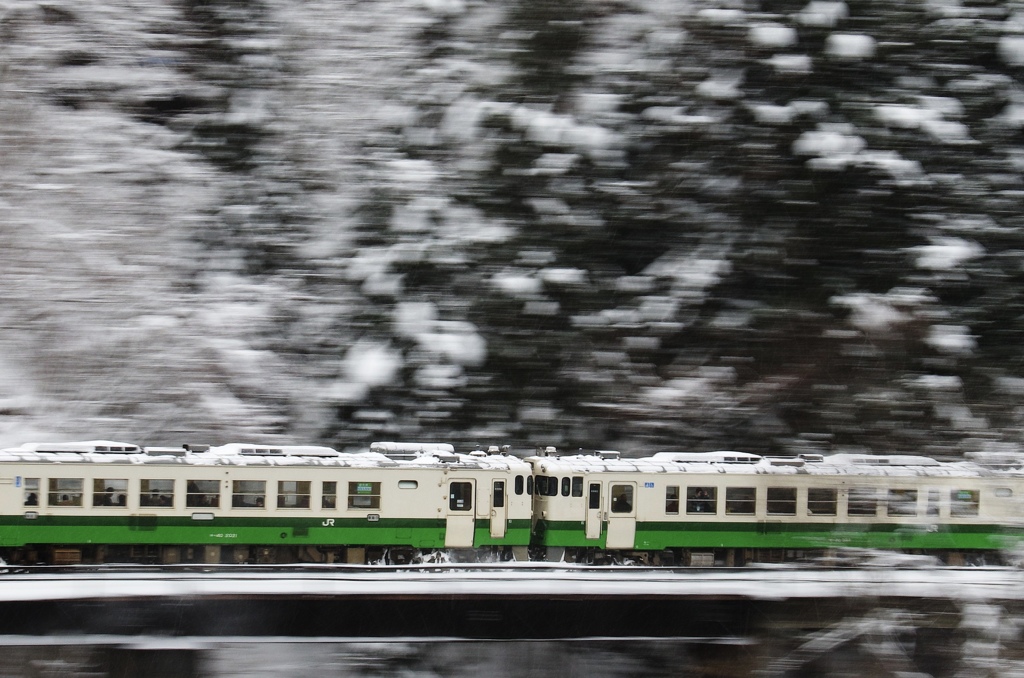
(892, 576)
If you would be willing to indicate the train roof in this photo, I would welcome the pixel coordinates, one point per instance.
(752, 464)
(380, 455)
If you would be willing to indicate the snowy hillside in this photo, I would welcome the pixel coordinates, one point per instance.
(773, 227)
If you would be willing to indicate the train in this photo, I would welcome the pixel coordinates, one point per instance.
(94, 502)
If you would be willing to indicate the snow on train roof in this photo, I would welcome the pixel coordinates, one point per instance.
(380, 455)
(745, 463)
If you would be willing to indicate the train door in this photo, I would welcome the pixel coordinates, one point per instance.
(593, 523)
(499, 509)
(460, 523)
(621, 516)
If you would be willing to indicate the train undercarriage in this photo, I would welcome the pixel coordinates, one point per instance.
(736, 557)
(150, 554)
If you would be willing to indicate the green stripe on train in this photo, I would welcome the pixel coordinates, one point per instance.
(770, 535)
(17, 531)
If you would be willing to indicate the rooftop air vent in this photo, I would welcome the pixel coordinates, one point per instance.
(411, 450)
(724, 457)
(100, 446)
(896, 460)
(261, 451)
(165, 451)
(785, 461)
(310, 451)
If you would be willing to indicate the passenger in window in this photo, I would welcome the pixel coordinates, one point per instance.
(621, 504)
(119, 500)
(703, 503)
(31, 499)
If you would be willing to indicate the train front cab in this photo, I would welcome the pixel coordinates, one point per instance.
(580, 512)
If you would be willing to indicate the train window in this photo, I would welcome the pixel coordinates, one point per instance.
(963, 502)
(622, 501)
(547, 487)
(701, 499)
(672, 500)
(552, 488)
(203, 493)
(156, 492)
(460, 497)
(329, 495)
(566, 481)
(1003, 492)
(932, 506)
(740, 501)
(249, 494)
(408, 484)
(520, 484)
(577, 486)
(529, 485)
(781, 501)
(31, 491)
(364, 495)
(595, 496)
(293, 494)
(109, 492)
(863, 501)
(821, 501)
(65, 492)
(902, 503)
(499, 493)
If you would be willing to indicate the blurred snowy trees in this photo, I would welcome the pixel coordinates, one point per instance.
(776, 227)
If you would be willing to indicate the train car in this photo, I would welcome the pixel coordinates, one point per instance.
(729, 508)
(105, 501)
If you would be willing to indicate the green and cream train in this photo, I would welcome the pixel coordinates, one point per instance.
(104, 501)
(731, 508)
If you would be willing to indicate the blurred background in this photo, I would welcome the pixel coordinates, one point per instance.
(654, 224)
